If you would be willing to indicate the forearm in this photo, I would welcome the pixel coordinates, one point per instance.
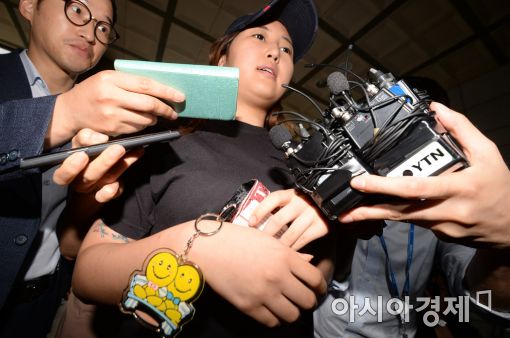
(106, 260)
(490, 270)
(251, 270)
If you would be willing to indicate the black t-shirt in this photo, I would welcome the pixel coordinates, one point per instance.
(195, 174)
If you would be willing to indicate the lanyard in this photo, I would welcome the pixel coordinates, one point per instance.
(393, 281)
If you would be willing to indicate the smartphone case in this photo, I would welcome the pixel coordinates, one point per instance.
(211, 91)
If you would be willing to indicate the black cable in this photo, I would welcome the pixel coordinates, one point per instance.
(306, 96)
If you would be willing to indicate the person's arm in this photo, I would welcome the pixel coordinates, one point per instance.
(108, 102)
(255, 272)
(24, 123)
(470, 206)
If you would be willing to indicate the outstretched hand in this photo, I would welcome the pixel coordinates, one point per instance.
(470, 206)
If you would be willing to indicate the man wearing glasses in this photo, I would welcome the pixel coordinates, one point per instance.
(41, 110)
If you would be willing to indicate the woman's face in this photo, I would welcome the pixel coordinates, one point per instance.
(264, 56)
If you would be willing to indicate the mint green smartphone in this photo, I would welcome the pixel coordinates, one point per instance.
(211, 91)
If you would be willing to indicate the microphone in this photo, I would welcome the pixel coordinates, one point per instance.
(337, 83)
(280, 137)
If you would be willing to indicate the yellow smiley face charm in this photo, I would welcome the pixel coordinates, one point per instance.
(160, 295)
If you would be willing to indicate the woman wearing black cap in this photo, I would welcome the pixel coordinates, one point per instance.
(255, 284)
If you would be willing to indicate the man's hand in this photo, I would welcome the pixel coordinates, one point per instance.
(99, 176)
(470, 206)
(111, 103)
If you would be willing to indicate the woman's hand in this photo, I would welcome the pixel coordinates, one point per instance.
(471, 206)
(287, 208)
(258, 274)
(255, 272)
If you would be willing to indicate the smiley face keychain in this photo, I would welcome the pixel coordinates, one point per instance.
(160, 296)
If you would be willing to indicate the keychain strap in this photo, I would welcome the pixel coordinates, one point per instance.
(199, 232)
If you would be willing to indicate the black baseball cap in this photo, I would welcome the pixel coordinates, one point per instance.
(298, 16)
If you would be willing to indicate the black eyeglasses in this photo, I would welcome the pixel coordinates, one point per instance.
(79, 14)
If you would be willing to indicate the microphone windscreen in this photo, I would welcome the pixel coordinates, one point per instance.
(337, 83)
(279, 135)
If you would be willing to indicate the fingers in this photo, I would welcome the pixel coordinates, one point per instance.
(406, 211)
(147, 106)
(408, 187)
(270, 203)
(312, 233)
(280, 219)
(298, 227)
(300, 295)
(74, 164)
(264, 316)
(308, 274)
(305, 222)
(70, 168)
(108, 192)
(284, 309)
(106, 169)
(143, 85)
(98, 168)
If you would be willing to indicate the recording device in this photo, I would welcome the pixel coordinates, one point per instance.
(128, 143)
(379, 126)
(211, 91)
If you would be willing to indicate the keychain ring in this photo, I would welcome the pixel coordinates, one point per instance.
(208, 216)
